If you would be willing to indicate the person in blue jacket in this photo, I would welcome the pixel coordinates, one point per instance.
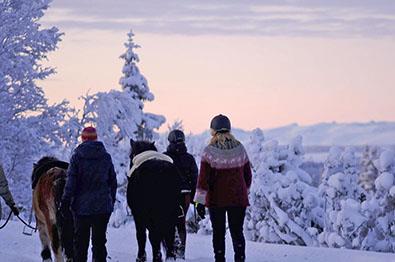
(90, 194)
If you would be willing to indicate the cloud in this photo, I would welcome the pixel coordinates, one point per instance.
(325, 18)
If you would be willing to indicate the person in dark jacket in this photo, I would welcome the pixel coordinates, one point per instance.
(223, 183)
(188, 169)
(90, 193)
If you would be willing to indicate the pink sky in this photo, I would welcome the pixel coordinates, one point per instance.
(258, 81)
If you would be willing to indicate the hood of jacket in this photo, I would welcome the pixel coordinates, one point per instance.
(91, 150)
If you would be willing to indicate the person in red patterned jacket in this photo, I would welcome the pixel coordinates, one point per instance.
(223, 184)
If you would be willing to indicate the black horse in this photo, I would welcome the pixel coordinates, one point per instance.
(153, 194)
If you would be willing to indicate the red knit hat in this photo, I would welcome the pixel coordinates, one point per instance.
(89, 134)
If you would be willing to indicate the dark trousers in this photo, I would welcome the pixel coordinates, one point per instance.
(181, 223)
(83, 225)
(235, 220)
(67, 236)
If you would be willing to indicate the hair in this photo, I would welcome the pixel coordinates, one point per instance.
(223, 140)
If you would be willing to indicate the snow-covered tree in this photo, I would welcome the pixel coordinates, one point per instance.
(136, 85)
(285, 208)
(381, 236)
(254, 148)
(345, 223)
(29, 127)
(369, 171)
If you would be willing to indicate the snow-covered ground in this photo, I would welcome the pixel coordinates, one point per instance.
(122, 246)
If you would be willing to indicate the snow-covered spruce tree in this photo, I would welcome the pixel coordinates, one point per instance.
(29, 127)
(285, 208)
(369, 171)
(135, 83)
(345, 225)
(118, 116)
(254, 147)
(380, 209)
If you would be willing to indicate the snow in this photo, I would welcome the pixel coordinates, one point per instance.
(385, 180)
(387, 159)
(122, 246)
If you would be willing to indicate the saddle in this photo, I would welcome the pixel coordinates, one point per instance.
(39, 170)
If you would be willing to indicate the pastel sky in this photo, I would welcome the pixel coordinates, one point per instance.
(262, 63)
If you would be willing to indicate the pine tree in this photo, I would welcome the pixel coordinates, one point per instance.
(383, 205)
(369, 171)
(345, 223)
(136, 85)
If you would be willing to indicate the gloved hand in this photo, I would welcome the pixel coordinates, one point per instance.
(15, 210)
(201, 210)
(65, 208)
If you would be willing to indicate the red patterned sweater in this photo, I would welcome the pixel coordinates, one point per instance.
(224, 178)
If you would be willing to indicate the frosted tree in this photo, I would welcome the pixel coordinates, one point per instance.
(345, 223)
(285, 208)
(369, 171)
(177, 124)
(29, 127)
(136, 85)
(255, 147)
(380, 209)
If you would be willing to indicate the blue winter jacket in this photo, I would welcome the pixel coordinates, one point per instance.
(91, 180)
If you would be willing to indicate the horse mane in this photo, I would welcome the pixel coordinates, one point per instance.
(140, 146)
(44, 160)
(45, 164)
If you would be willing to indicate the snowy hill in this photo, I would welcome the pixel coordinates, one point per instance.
(16, 247)
(328, 134)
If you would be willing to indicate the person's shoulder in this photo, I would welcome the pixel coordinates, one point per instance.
(189, 156)
(107, 156)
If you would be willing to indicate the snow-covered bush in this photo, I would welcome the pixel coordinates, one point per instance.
(380, 209)
(344, 221)
(285, 208)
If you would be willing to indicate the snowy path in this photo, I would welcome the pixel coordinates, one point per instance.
(16, 247)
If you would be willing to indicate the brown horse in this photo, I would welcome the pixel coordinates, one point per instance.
(55, 231)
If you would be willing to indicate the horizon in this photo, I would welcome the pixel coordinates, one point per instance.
(264, 64)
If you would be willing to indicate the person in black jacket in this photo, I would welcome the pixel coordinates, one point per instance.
(188, 169)
(90, 193)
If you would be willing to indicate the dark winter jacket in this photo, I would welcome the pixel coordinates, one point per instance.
(186, 164)
(224, 178)
(91, 180)
(153, 192)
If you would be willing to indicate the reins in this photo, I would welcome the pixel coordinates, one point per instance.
(6, 222)
(23, 221)
(26, 224)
